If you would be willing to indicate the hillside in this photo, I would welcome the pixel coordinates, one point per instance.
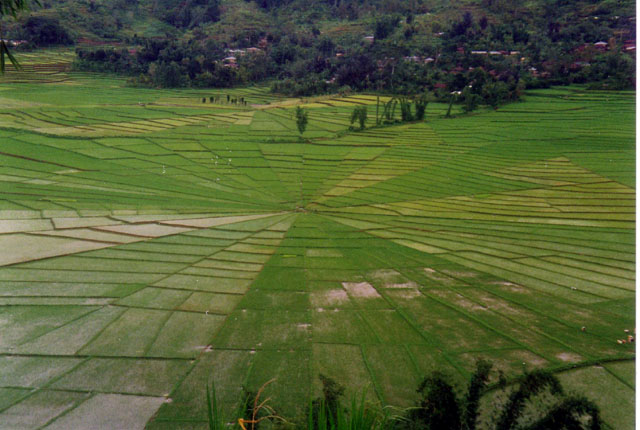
(486, 51)
(581, 21)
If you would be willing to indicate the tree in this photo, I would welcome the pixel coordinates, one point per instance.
(533, 383)
(441, 409)
(10, 7)
(359, 114)
(385, 26)
(421, 107)
(471, 100)
(495, 93)
(478, 382)
(44, 31)
(405, 109)
(168, 75)
(328, 404)
(302, 118)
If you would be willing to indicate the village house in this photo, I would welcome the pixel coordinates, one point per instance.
(601, 46)
(501, 52)
(11, 42)
(231, 62)
(629, 46)
(235, 52)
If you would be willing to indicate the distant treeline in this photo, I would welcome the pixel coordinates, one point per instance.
(303, 68)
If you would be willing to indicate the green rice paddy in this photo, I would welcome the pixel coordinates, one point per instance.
(152, 243)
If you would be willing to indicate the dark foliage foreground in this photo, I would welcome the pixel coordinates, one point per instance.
(536, 402)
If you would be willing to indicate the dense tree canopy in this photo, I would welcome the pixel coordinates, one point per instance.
(489, 54)
(188, 13)
(11, 8)
(44, 31)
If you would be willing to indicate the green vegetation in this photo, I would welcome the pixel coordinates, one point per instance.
(160, 243)
(359, 114)
(421, 107)
(302, 119)
(359, 416)
(214, 413)
(12, 8)
(539, 393)
(491, 50)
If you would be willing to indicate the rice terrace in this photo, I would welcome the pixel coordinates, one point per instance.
(154, 241)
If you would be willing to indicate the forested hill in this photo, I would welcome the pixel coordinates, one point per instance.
(311, 46)
(232, 20)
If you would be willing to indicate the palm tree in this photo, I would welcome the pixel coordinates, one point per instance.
(10, 7)
(441, 409)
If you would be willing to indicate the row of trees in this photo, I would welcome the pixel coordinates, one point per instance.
(385, 112)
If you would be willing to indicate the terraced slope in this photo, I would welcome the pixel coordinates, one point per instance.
(151, 243)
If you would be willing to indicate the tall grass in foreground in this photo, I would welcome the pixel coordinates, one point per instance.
(323, 414)
(214, 413)
(359, 417)
(535, 402)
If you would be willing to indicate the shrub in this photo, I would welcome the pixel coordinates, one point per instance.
(405, 109)
(359, 114)
(302, 118)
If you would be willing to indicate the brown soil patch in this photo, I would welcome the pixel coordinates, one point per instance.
(458, 300)
(27, 248)
(408, 294)
(323, 253)
(438, 277)
(510, 286)
(569, 357)
(329, 298)
(144, 230)
(212, 222)
(385, 274)
(361, 290)
(409, 284)
(460, 274)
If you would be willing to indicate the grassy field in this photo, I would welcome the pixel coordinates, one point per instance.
(152, 243)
